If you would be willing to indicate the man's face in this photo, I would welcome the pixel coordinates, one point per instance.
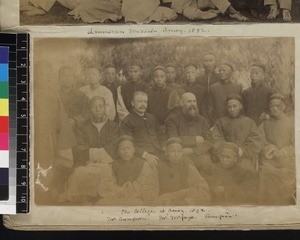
(139, 103)
(126, 150)
(97, 110)
(257, 75)
(225, 72)
(228, 158)
(135, 73)
(174, 153)
(110, 75)
(277, 107)
(66, 77)
(234, 108)
(171, 74)
(159, 78)
(93, 76)
(190, 74)
(209, 62)
(189, 105)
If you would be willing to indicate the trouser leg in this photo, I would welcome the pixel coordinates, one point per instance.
(270, 2)
(285, 4)
(46, 5)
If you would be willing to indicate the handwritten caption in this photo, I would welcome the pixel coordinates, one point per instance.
(169, 214)
(192, 30)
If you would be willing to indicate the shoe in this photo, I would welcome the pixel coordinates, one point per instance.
(286, 15)
(239, 17)
(35, 12)
(273, 14)
(206, 15)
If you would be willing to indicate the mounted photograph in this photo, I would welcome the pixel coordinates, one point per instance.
(195, 121)
(80, 12)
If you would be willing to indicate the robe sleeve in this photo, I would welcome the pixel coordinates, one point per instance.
(110, 104)
(147, 184)
(196, 181)
(121, 108)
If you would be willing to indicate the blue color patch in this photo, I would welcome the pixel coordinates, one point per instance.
(3, 72)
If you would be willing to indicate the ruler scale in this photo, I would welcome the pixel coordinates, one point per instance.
(22, 86)
(18, 44)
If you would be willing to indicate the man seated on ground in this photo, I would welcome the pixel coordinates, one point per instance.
(238, 129)
(145, 130)
(284, 5)
(231, 184)
(193, 129)
(179, 182)
(96, 136)
(278, 156)
(205, 9)
(89, 11)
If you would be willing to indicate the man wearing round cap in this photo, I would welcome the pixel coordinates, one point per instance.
(241, 130)
(231, 184)
(161, 99)
(209, 78)
(220, 90)
(179, 181)
(256, 97)
(278, 162)
(125, 92)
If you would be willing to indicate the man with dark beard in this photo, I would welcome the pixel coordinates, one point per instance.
(192, 129)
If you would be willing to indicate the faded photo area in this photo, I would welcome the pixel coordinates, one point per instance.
(164, 122)
(73, 12)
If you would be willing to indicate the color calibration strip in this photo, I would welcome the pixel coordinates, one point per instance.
(4, 124)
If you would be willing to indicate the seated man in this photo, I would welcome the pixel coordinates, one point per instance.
(285, 5)
(137, 178)
(97, 135)
(88, 11)
(240, 130)
(231, 184)
(195, 9)
(220, 90)
(179, 182)
(193, 129)
(256, 98)
(278, 160)
(144, 128)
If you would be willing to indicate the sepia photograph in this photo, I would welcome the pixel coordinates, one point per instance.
(195, 121)
(76, 12)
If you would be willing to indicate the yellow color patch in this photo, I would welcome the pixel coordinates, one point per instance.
(4, 107)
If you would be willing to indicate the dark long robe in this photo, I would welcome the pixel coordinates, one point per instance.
(88, 137)
(219, 92)
(146, 132)
(256, 101)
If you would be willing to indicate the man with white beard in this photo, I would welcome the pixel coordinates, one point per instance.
(193, 129)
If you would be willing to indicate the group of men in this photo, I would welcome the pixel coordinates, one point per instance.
(199, 143)
(91, 11)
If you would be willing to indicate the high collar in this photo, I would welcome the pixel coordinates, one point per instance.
(138, 114)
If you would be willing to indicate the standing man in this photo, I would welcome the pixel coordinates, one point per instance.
(256, 98)
(222, 89)
(209, 78)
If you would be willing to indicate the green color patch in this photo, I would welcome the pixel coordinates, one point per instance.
(4, 90)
